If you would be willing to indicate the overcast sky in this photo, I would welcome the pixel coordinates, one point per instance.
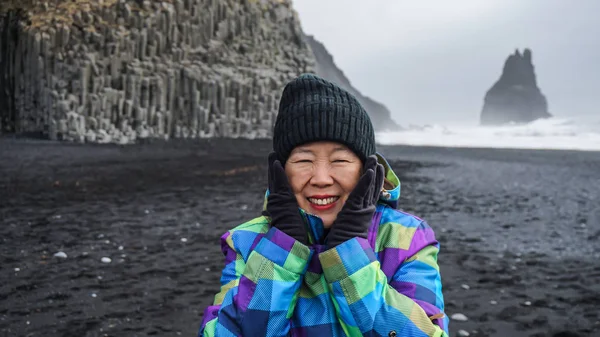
(432, 61)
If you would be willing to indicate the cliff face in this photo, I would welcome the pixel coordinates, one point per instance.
(115, 71)
(326, 68)
(515, 97)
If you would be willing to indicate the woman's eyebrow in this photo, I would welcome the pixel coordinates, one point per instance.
(338, 149)
(301, 150)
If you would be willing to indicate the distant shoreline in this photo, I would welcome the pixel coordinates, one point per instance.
(207, 141)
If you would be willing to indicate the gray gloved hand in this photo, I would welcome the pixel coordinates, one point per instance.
(282, 206)
(356, 215)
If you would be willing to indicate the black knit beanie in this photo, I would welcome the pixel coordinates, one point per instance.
(314, 109)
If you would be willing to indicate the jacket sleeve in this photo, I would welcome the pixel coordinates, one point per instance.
(410, 303)
(258, 296)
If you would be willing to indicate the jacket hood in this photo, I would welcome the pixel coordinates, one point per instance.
(390, 197)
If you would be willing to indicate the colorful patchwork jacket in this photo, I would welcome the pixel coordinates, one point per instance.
(386, 285)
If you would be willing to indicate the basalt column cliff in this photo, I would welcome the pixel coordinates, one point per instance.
(117, 70)
(114, 71)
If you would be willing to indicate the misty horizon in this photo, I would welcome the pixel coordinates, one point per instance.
(433, 62)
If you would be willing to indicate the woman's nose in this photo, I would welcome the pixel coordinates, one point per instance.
(321, 175)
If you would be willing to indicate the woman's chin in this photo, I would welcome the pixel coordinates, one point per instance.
(327, 224)
(327, 215)
(327, 219)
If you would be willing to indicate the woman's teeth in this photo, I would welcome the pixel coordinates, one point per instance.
(325, 201)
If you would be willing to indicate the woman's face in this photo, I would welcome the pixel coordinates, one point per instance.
(322, 175)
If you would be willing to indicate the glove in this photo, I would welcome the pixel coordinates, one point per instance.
(356, 215)
(282, 206)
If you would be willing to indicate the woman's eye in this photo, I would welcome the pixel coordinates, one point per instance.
(340, 161)
(303, 161)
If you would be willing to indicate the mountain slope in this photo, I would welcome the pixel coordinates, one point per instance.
(325, 67)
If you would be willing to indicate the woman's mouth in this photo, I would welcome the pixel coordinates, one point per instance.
(322, 203)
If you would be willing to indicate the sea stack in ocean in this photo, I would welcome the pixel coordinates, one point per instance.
(515, 97)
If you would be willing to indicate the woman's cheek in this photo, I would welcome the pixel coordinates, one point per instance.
(298, 180)
(346, 176)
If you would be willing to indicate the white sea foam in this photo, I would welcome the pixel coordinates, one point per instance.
(552, 133)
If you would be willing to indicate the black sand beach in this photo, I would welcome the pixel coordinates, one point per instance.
(519, 230)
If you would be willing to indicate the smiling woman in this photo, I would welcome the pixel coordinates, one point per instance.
(331, 255)
(322, 175)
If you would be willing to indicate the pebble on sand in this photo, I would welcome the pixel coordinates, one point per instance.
(60, 255)
(183, 239)
(527, 303)
(459, 317)
(492, 302)
(106, 260)
(465, 287)
(17, 269)
(462, 333)
(120, 248)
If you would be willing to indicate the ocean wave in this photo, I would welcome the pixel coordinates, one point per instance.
(551, 133)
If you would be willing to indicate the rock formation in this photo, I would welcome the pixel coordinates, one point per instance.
(326, 68)
(117, 70)
(515, 97)
(114, 71)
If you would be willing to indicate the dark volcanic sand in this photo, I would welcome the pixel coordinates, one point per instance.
(520, 228)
